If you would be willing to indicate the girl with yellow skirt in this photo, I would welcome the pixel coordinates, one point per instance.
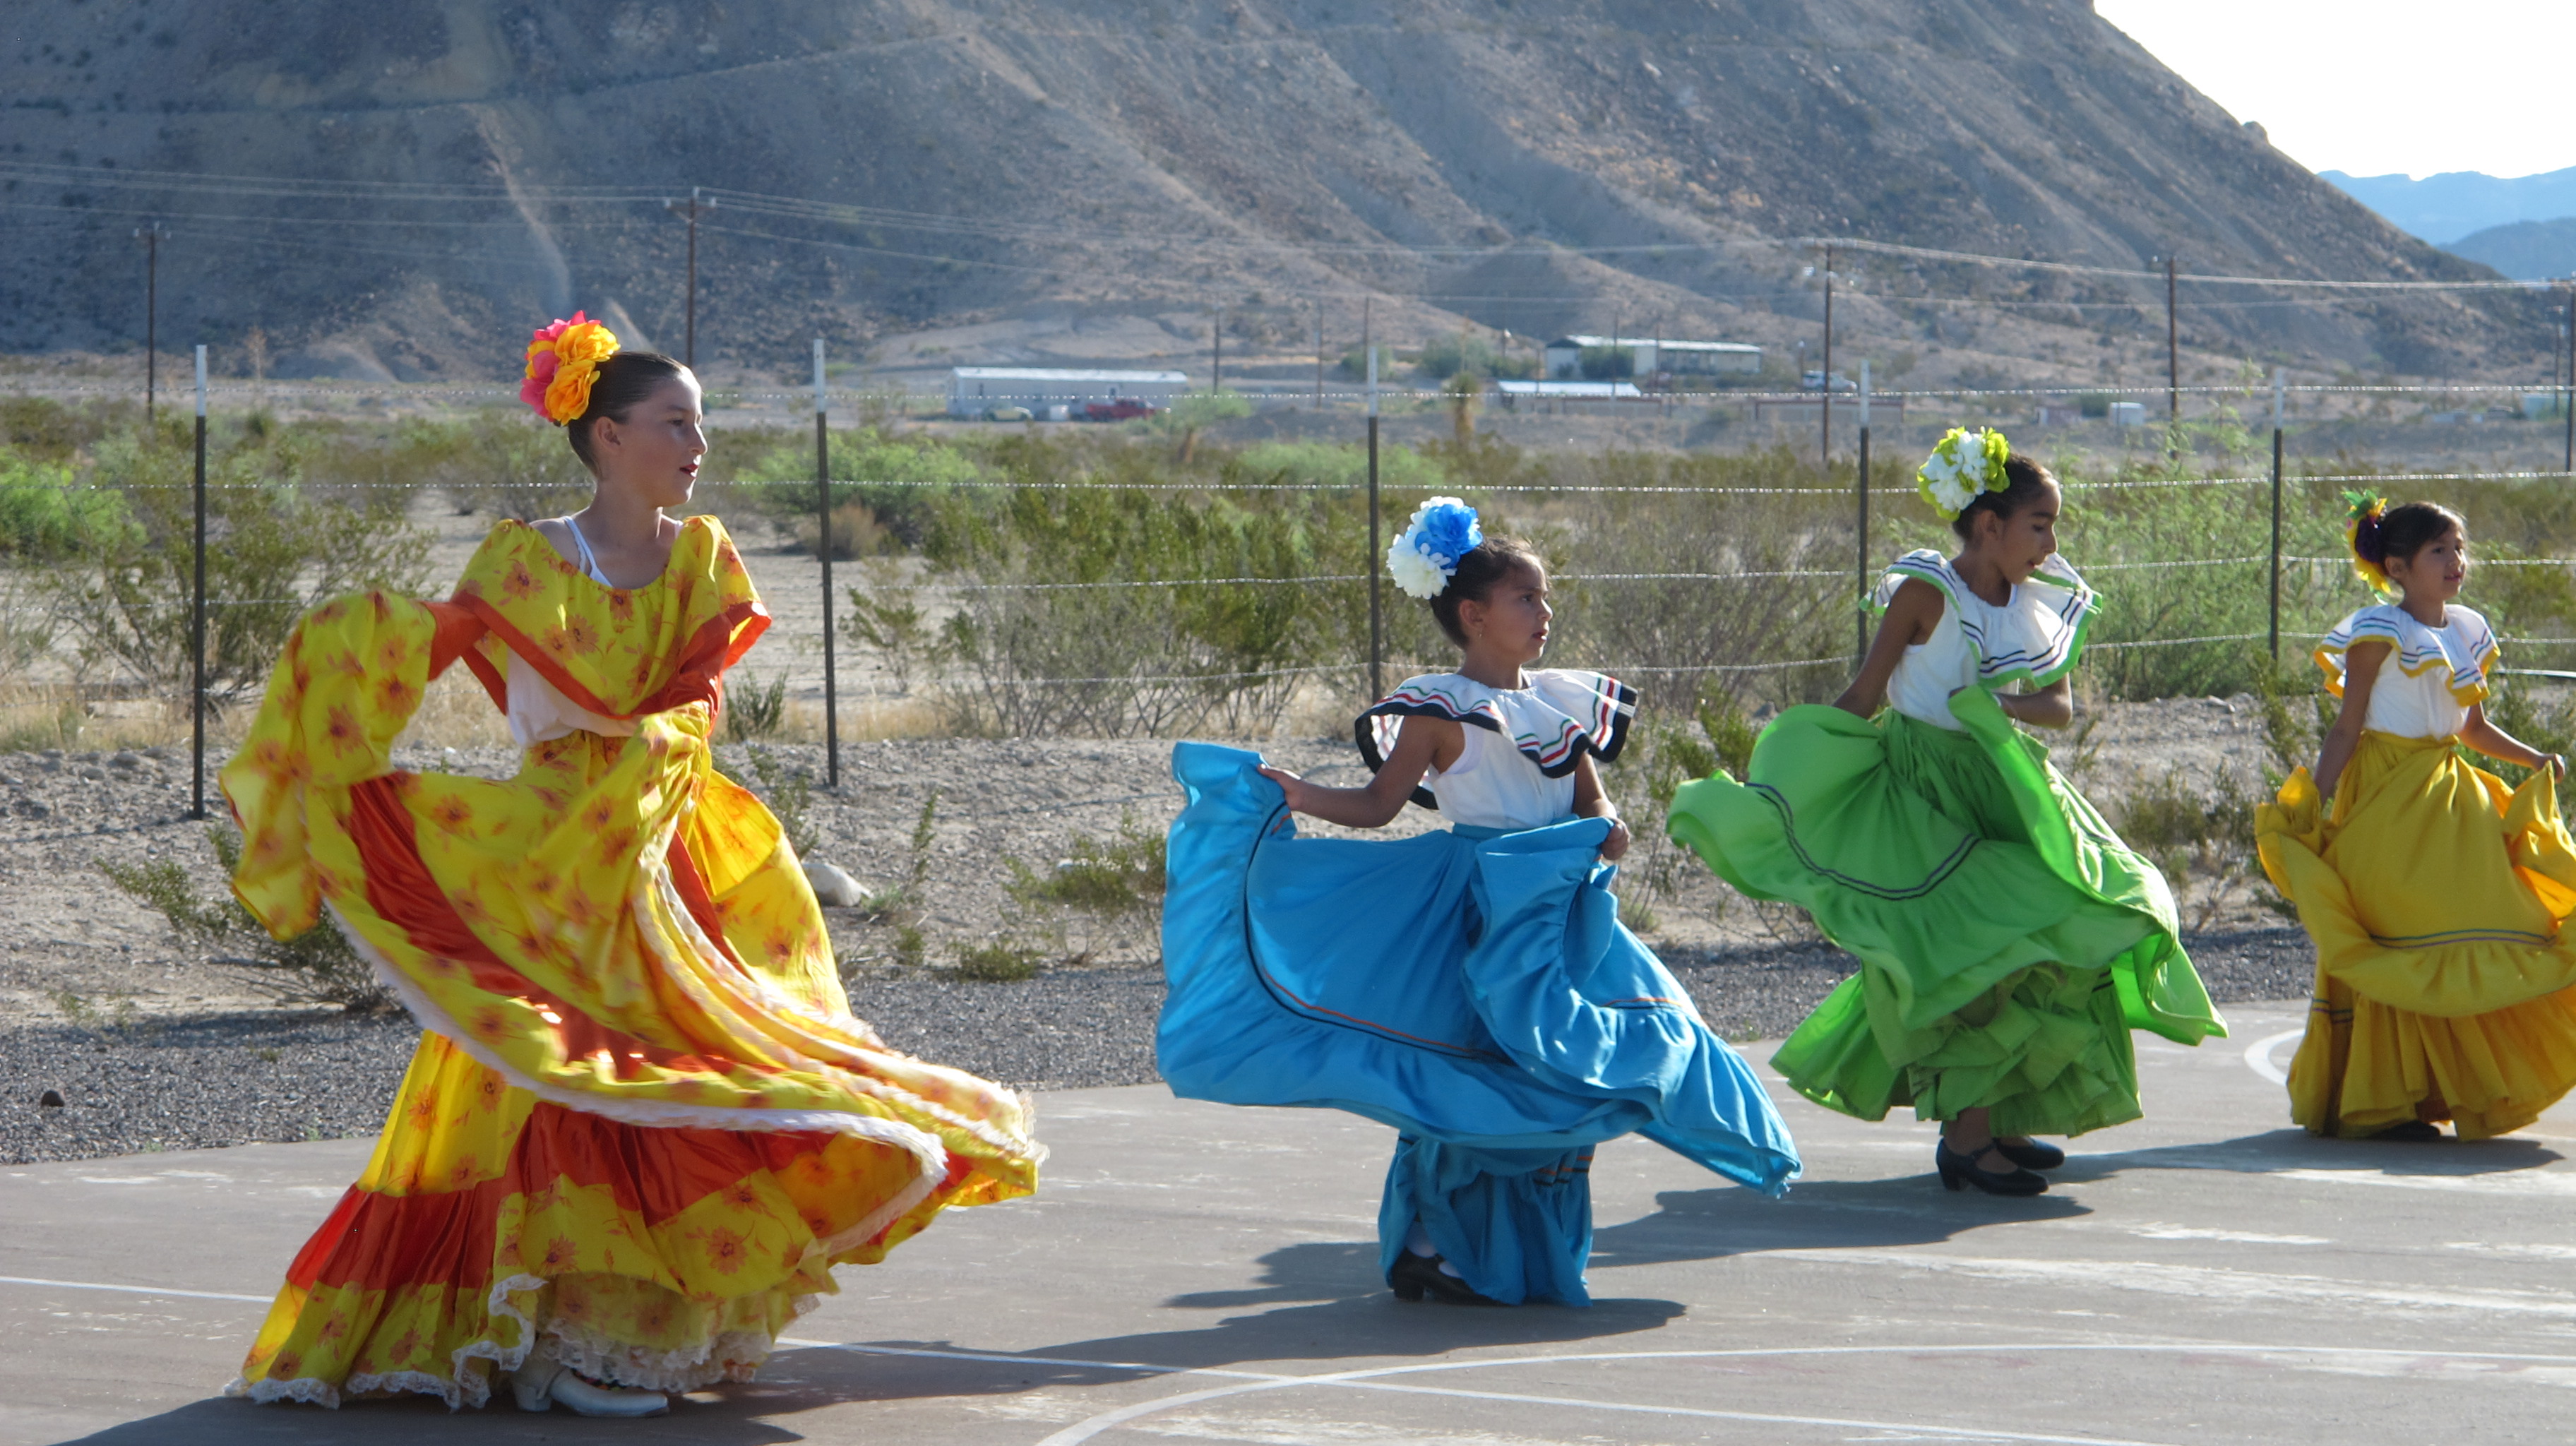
(642, 1126)
(2435, 894)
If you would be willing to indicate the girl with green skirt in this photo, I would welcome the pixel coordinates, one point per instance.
(2008, 940)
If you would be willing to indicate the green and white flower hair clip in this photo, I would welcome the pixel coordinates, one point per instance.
(1963, 465)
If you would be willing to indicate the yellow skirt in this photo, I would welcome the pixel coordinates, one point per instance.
(2435, 896)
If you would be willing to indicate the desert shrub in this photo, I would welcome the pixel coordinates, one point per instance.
(278, 541)
(898, 480)
(885, 615)
(317, 966)
(2204, 846)
(789, 792)
(1030, 655)
(752, 711)
(856, 533)
(997, 961)
(1401, 471)
(500, 461)
(48, 513)
(1444, 357)
(40, 429)
(1190, 415)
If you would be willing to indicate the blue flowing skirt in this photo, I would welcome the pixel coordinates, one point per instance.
(1473, 989)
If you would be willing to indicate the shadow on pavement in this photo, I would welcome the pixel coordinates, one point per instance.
(2273, 1151)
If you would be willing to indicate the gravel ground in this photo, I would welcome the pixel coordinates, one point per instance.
(229, 1079)
(151, 1048)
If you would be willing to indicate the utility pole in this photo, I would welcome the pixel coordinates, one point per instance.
(1825, 408)
(691, 209)
(151, 236)
(1216, 367)
(1319, 353)
(2569, 401)
(2173, 366)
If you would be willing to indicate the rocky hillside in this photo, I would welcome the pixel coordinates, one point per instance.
(399, 191)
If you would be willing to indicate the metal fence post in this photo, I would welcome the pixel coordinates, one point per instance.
(1377, 614)
(197, 621)
(1825, 396)
(2280, 384)
(823, 517)
(1860, 494)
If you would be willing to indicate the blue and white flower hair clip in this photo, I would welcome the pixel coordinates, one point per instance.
(1443, 530)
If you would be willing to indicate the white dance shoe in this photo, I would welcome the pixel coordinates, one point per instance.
(543, 1382)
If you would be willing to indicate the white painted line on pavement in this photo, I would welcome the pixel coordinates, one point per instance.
(133, 1289)
(2201, 1282)
(2258, 1055)
(1375, 1379)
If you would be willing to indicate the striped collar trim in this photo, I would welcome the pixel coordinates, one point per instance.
(1563, 715)
(2465, 648)
(2039, 635)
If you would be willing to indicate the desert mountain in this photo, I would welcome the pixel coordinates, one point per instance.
(408, 186)
(2526, 250)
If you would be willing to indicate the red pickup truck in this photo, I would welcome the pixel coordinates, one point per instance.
(1121, 410)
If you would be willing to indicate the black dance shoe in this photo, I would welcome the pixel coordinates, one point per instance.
(2412, 1132)
(2030, 1154)
(1415, 1276)
(1957, 1169)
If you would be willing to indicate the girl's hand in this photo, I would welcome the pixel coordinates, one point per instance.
(1300, 792)
(1615, 847)
(2557, 766)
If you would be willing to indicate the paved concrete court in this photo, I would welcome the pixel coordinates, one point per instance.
(1200, 1273)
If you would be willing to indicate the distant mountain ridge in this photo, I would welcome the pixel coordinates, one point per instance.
(2442, 209)
(1121, 169)
(2524, 250)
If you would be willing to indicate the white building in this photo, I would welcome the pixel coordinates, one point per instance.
(1563, 357)
(975, 391)
(1567, 397)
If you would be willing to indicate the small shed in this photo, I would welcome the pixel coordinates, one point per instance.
(975, 391)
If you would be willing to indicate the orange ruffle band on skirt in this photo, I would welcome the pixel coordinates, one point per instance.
(2436, 898)
(666, 1259)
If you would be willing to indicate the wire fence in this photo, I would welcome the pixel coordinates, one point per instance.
(1767, 601)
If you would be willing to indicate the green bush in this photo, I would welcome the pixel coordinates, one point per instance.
(280, 539)
(1402, 472)
(317, 966)
(1444, 357)
(49, 514)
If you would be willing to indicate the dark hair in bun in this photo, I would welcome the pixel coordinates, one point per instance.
(2402, 531)
(624, 380)
(1486, 564)
(2024, 482)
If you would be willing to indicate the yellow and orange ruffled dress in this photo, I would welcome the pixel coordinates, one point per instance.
(642, 1121)
(2436, 897)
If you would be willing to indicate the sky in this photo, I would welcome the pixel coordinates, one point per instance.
(2368, 87)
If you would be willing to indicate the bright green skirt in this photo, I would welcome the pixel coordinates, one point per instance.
(2008, 941)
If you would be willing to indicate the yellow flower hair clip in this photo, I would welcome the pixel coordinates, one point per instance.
(2365, 510)
(563, 361)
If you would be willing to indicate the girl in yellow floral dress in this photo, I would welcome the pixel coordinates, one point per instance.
(642, 1126)
(2446, 983)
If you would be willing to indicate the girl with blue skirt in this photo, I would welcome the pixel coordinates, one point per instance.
(1474, 989)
